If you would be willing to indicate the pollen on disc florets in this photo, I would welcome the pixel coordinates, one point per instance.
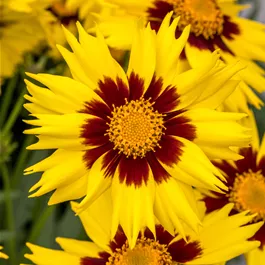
(146, 252)
(135, 128)
(248, 193)
(204, 16)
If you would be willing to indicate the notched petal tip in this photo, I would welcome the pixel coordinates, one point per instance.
(32, 75)
(28, 173)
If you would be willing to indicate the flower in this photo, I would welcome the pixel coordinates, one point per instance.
(87, 10)
(221, 238)
(246, 182)
(3, 255)
(214, 24)
(19, 32)
(67, 13)
(135, 133)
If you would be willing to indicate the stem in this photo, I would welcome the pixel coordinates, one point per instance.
(14, 114)
(7, 99)
(37, 227)
(9, 213)
(21, 161)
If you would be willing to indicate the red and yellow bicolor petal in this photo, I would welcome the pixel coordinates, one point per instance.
(232, 234)
(90, 60)
(211, 126)
(132, 208)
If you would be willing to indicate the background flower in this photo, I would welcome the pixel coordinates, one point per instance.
(232, 232)
(223, 29)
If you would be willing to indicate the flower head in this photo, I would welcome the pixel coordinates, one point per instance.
(20, 32)
(67, 13)
(221, 238)
(134, 133)
(246, 183)
(213, 24)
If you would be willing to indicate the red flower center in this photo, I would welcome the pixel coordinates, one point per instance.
(135, 128)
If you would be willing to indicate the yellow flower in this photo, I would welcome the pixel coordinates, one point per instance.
(246, 182)
(214, 24)
(221, 238)
(19, 32)
(87, 10)
(26, 5)
(67, 13)
(144, 134)
(3, 255)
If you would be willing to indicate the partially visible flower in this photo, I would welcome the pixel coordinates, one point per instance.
(27, 6)
(214, 24)
(3, 255)
(221, 238)
(88, 10)
(19, 32)
(143, 134)
(246, 182)
(67, 13)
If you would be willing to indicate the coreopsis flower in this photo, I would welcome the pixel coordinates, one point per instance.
(3, 255)
(246, 182)
(67, 13)
(26, 5)
(87, 10)
(214, 24)
(221, 238)
(134, 133)
(19, 32)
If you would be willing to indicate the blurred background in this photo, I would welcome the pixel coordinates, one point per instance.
(30, 220)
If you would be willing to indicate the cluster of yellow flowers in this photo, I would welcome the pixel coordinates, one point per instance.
(163, 150)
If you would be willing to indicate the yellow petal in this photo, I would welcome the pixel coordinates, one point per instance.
(47, 99)
(78, 247)
(61, 126)
(77, 71)
(261, 152)
(202, 169)
(169, 48)
(232, 232)
(78, 190)
(255, 257)
(143, 54)
(68, 88)
(47, 142)
(50, 256)
(96, 220)
(219, 128)
(97, 184)
(61, 174)
(132, 208)
(171, 206)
